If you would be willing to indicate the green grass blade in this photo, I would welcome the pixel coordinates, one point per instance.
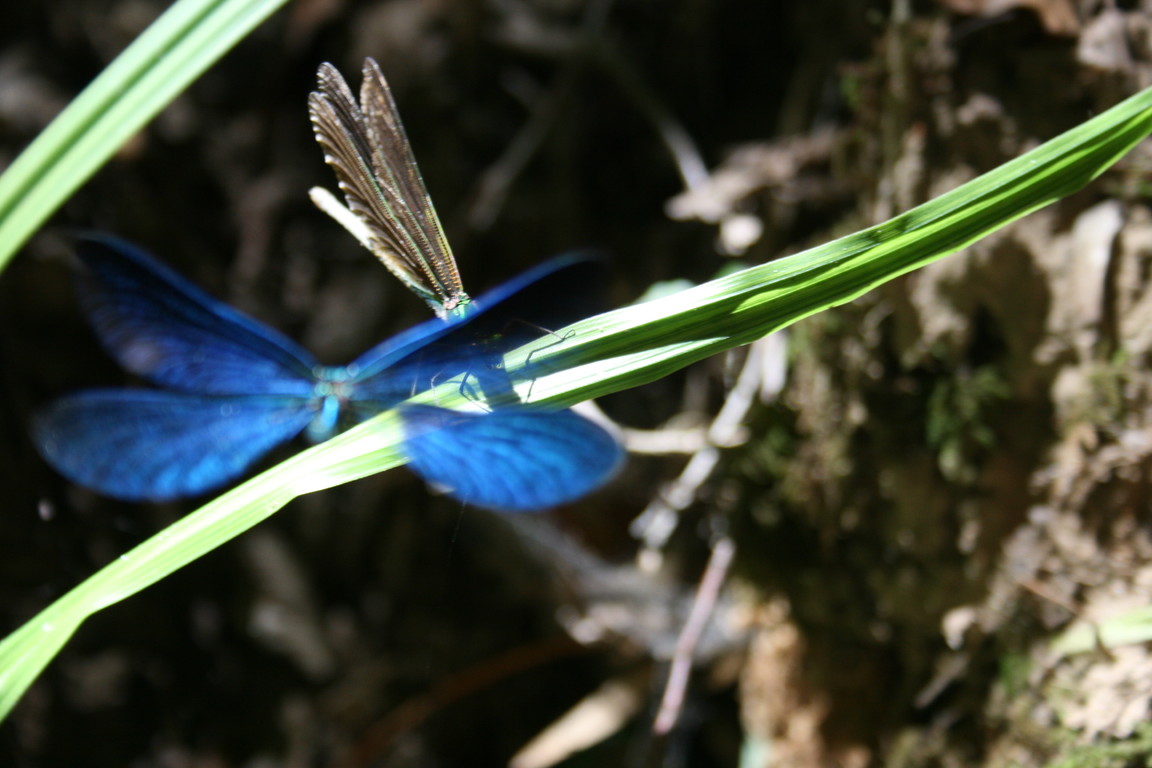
(639, 344)
(157, 66)
(618, 350)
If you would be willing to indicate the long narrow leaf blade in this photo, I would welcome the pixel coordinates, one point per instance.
(145, 78)
(639, 344)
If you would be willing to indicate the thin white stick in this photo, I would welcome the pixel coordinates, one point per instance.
(327, 202)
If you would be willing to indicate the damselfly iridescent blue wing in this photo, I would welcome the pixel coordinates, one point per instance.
(235, 389)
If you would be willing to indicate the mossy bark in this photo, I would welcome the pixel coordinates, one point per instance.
(967, 465)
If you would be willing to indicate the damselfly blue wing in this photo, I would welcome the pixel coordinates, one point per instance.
(235, 389)
(165, 329)
(515, 459)
(149, 444)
